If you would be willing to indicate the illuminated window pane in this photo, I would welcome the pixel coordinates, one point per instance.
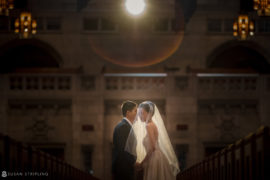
(214, 25)
(53, 23)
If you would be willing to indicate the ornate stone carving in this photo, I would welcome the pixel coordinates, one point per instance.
(39, 129)
(227, 127)
(227, 107)
(34, 115)
(39, 107)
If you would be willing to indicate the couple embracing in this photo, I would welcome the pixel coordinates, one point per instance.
(141, 144)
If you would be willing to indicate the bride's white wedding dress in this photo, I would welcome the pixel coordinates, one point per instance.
(157, 167)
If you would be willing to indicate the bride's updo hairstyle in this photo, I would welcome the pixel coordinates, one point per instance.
(148, 106)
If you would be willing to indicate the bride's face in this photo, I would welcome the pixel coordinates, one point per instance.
(143, 115)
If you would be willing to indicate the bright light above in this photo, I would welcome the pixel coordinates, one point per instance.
(135, 7)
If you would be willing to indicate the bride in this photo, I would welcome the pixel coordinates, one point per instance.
(152, 146)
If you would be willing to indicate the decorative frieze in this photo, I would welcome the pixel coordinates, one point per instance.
(39, 106)
(38, 119)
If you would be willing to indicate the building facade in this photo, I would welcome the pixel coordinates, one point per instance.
(61, 90)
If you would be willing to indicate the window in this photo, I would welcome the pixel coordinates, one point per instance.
(264, 25)
(107, 25)
(40, 23)
(4, 24)
(181, 151)
(12, 22)
(98, 24)
(162, 25)
(177, 25)
(53, 23)
(214, 25)
(228, 25)
(87, 151)
(90, 24)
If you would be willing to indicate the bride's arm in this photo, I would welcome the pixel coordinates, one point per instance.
(151, 132)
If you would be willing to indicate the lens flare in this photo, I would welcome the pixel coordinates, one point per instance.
(138, 51)
(136, 44)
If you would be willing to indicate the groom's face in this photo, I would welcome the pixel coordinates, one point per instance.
(132, 114)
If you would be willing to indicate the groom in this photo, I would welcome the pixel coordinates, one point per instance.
(123, 163)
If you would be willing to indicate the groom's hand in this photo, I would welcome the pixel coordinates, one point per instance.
(138, 166)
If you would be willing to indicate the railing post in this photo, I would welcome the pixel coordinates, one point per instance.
(231, 163)
(216, 159)
(247, 159)
(49, 165)
(54, 167)
(60, 168)
(208, 168)
(42, 162)
(249, 144)
(239, 158)
(25, 156)
(223, 164)
(2, 151)
(262, 153)
(7, 153)
(212, 166)
(205, 168)
(267, 150)
(20, 158)
(30, 153)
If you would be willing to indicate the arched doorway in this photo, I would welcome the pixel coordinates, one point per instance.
(239, 55)
(29, 53)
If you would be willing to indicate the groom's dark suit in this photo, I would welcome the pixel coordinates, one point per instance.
(122, 161)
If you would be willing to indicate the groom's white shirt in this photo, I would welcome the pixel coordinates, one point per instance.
(128, 121)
